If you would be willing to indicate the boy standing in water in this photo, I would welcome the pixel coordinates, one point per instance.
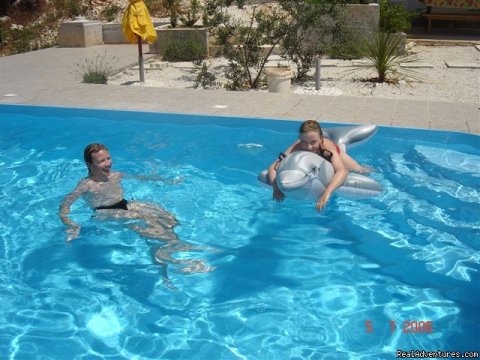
(103, 192)
(311, 139)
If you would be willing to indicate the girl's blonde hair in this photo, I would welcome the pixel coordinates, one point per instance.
(310, 125)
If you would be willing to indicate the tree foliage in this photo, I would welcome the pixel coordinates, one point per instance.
(302, 29)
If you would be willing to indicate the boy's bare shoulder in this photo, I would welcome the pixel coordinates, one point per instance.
(116, 175)
(85, 184)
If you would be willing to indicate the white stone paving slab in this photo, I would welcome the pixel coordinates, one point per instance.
(416, 65)
(362, 63)
(329, 62)
(460, 65)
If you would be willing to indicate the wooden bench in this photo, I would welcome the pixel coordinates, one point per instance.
(448, 16)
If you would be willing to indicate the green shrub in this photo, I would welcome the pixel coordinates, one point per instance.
(173, 8)
(3, 33)
(156, 8)
(185, 50)
(69, 8)
(98, 69)
(191, 13)
(236, 76)
(21, 39)
(205, 78)
(297, 27)
(395, 17)
(111, 11)
(344, 47)
(95, 78)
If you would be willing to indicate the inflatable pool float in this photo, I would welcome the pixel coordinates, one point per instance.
(304, 175)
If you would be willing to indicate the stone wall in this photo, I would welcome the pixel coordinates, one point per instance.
(167, 35)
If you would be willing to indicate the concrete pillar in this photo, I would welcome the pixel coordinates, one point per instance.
(80, 33)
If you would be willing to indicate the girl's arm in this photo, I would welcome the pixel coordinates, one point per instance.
(272, 171)
(337, 180)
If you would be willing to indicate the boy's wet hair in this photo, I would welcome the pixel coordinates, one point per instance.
(310, 125)
(92, 149)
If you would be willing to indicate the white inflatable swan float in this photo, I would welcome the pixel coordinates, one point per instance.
(304, 175)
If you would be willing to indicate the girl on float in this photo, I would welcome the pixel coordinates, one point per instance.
(311, 139)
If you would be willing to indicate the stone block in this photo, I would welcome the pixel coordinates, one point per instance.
(167, 35)
(113, 34)
(80, 33)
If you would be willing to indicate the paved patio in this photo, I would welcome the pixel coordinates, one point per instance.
(48, 77)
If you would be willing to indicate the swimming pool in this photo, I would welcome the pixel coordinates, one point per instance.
(360, 280)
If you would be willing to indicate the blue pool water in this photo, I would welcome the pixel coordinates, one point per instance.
(289, 283)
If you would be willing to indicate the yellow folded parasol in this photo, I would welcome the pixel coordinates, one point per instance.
(137, 26)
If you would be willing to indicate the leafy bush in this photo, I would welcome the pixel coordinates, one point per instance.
(22, 39)
(309, 33)
(173, 8)
(191, 13)
(69, 8)
(205, 78)
(18, 40)
(299, 27)
(344, 45)
(98, 69)
(186, 50)
(395, 17)
(156, 8)
(236, 76)
(111, 11)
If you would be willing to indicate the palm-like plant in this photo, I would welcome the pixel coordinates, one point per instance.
(173, 8)
(385, 54)
(191, 13)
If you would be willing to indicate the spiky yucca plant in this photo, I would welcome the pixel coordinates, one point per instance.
(385, 54)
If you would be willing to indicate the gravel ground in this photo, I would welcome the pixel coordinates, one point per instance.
(439, 82)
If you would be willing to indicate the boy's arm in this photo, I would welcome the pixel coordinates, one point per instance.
(337, 180)
(74, 228)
